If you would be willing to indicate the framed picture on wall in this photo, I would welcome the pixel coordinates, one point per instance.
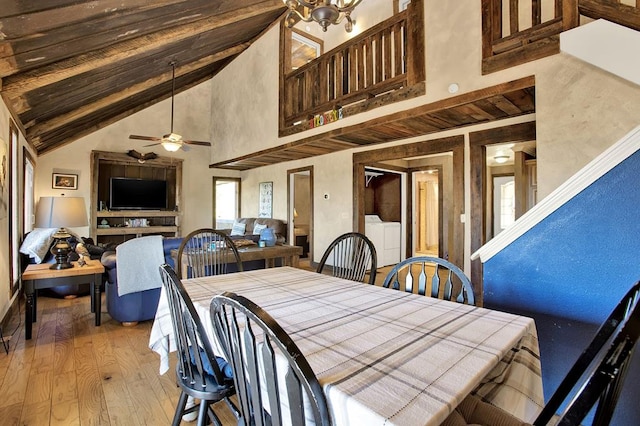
(266, 199)
(61, 181)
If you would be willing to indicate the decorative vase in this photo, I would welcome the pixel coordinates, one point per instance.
(268, 236)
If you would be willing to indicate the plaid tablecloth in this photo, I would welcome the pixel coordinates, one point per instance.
(384, 356)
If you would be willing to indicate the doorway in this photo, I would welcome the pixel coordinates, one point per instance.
(481, 144)
(300, 208)
(226, 201)
(427, 215)
(411, 158)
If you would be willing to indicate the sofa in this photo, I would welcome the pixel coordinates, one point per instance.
(141, 306)
(247, 231)
(133, 307)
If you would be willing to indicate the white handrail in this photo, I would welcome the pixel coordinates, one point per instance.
(600, 165)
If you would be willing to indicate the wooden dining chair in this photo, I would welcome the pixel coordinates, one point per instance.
(205, 252)
(200, 374)
(275, 384)
(350, 256)
(595, 380)
(444, 279)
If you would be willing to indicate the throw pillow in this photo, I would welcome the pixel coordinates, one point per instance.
(257, 228)
(238, 228)
(37, 243)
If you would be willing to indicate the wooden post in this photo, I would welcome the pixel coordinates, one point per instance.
(415, 54)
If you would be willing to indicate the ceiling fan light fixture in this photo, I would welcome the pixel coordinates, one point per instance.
(324, 12)
(170, 145)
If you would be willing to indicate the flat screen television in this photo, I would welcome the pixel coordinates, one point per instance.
(137, 194)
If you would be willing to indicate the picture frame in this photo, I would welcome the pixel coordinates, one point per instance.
(64, 181)
(266, 199)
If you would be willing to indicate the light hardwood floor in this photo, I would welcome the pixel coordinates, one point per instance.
(73, 373)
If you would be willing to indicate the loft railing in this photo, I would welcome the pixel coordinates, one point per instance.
(518, 31)
(381, 60)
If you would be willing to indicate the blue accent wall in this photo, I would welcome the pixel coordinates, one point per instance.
(580, 260)
(569, 271)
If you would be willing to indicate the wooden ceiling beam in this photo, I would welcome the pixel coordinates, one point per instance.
(71, 94)
(75, 66)
(42, 47)
(470, 108)
(50, 142)
(37, 130)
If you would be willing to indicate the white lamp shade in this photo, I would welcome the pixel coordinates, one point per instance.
(170, 145)
(61, 212)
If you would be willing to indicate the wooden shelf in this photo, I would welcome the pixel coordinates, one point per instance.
(136, 213)
(105, 165)
(126, 230)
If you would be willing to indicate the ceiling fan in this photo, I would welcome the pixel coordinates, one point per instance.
(142, 157)
(172, 141)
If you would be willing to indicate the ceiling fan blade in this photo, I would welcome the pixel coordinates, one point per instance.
(153, 144)
(201, 143)
(145, 138)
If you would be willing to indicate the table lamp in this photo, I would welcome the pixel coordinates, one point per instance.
(61, 212)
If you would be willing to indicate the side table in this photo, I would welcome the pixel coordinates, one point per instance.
(40, 276)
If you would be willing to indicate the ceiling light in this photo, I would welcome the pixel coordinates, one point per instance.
(501, 158)
(324, 12)
(170, 145)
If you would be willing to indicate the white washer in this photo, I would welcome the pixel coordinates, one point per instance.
(385, 236)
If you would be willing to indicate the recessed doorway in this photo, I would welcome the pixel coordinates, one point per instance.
(300, 207)
(409, 159)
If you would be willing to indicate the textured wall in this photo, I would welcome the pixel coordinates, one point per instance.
(570, 271)
(192, 120)
(579, 261)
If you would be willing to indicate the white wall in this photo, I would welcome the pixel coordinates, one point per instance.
(568, 94)
(5, 279)
(192, 120)
(581, 110)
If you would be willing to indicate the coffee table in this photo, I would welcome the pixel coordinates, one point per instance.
(290, 255)
(40, 276)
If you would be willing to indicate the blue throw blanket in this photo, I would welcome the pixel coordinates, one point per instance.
(138, 264)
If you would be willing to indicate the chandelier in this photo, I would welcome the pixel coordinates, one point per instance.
(324, 12)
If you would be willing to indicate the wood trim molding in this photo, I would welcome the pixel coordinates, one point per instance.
(602, 164)
(453, 144)
(478, 142)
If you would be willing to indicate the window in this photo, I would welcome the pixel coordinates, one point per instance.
(14, 237)
(304, 48)
(226, 201)
(28, 198)
(400, 5)
(507, 205)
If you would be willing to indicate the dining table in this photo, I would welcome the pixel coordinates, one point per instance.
(382, 356)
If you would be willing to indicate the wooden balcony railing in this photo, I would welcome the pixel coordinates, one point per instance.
(511, 36)
(385, 58)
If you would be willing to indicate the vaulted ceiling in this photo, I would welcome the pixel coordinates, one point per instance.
(70, 67)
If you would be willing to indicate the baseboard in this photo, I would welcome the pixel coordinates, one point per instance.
(12, 316)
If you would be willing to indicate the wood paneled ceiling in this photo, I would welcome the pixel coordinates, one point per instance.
(70, 67)
(499, 102)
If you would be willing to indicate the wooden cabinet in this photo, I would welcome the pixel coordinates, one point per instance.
(118, 226)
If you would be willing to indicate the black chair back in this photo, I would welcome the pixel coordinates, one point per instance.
(445, 280)
(205, 252)
(350, 256)
(599, 372)
(273, 379)
(197, 371)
